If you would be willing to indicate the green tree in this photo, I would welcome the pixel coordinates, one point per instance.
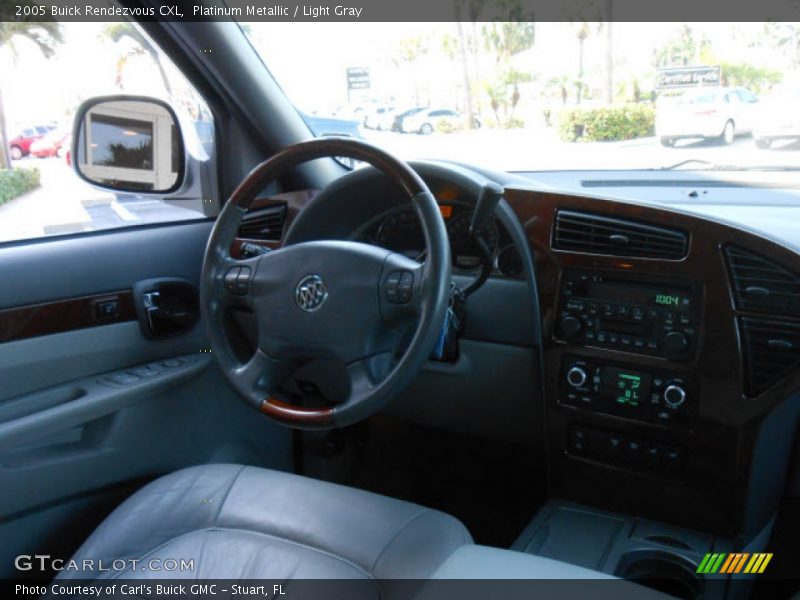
(408, 52)
(582, 32)
(141, 46)
(757, 79)
(45, 36)
(684, 49)
(508, 39)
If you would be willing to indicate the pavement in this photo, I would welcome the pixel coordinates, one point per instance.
(66, 204)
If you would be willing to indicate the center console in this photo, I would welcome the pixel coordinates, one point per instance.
(671, 369)
(618, 324)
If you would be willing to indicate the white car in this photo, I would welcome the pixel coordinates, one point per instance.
(719, 113)
(778, 118)
(380, 118)
(426, 121)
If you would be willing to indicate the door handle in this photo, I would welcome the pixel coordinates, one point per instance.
(166, 307)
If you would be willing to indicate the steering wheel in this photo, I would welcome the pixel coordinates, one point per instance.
(375, 312)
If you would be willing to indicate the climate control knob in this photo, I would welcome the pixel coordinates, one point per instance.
(577, 376)
(570, 326)
(674, 395)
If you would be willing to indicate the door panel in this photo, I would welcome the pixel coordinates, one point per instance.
(73, 434)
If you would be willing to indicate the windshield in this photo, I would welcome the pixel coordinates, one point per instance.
(549, 96)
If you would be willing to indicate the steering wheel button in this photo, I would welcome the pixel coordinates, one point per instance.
(406, 286)
(230, 279)
(242, 281)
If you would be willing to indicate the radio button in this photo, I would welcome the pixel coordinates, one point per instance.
(614, 446)
(652, 457)
(632, 452)
(575, 305)
(570, 326)
(675, 342)
(638, 314)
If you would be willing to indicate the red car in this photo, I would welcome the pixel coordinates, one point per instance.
(49, 145)
(21, 145)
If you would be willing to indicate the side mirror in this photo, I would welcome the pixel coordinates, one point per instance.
(128, 144)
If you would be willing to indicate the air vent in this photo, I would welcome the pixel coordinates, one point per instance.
(264, 224)
(584, 232)
(760, 284)
(771, 350)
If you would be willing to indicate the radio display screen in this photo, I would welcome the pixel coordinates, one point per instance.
(648, 295)
(626, 387)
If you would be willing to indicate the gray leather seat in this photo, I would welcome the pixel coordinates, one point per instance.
(244, 522)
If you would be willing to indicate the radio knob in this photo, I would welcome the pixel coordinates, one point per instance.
(675, 342)
(674, 395)
(570, 326)
(577, 376)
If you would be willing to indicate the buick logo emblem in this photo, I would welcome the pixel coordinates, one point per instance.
(310, 293)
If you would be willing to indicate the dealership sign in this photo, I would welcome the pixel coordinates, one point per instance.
(357, 78)
(683, 77)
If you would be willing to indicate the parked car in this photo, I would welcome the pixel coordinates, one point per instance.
(719, 113)
(397, 124)
(777, 118)
(380, 117)
(322, 126)
(51, 144)
(426, 121)
(20, 146)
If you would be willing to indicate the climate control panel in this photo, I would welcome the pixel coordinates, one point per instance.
(652, 396)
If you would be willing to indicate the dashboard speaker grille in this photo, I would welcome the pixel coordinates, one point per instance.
(595, 234)
(762, 285)
(771, 350)
(264, 224)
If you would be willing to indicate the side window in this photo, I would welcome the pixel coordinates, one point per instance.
(40, 194)
(436, 113)
(748, 97)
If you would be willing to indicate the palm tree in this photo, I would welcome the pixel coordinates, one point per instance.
(45, 36)
(408, 52)
(609, 18)
(119, 31)
(583, 31)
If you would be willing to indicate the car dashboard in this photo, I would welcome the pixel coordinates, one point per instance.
(668, 340)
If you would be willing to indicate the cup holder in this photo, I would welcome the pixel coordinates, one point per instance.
(662, 571)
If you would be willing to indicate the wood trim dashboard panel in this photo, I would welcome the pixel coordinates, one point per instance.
(64, 315)
(719, 442)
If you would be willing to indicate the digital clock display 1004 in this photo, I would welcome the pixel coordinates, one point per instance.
(671, 300)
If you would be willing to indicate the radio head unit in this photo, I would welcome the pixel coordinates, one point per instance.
(600, 309)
